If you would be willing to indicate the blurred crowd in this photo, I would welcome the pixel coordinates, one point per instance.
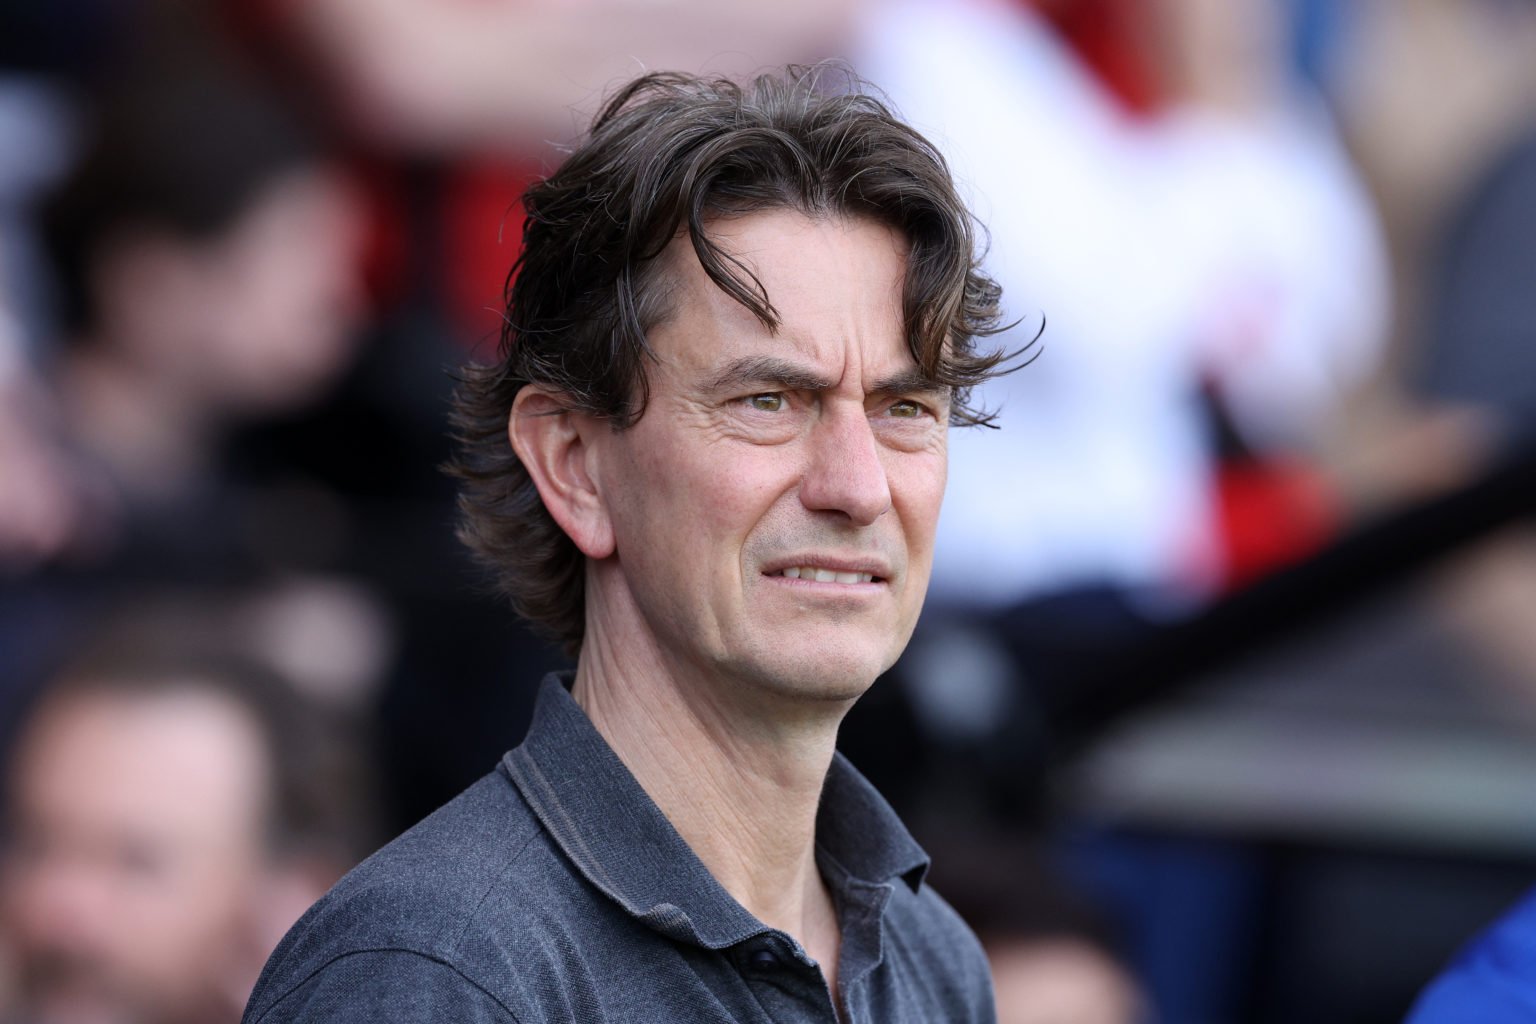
(1267, 264)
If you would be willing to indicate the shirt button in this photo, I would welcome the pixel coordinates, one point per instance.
(762, 958)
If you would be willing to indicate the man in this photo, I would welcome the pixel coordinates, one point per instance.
(205, 254)
(710, 460)
(170, 814)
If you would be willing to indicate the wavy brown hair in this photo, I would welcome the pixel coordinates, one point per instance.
(668, 153)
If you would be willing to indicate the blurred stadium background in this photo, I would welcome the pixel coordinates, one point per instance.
(1223, 704)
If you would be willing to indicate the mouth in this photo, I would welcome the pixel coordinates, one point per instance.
(819, 575)
(848, 569)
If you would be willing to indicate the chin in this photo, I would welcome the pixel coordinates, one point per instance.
(833, 675)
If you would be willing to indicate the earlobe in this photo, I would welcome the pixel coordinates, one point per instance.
(552, 443)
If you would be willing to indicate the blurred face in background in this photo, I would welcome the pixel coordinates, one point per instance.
(258, 319)
(135, 857)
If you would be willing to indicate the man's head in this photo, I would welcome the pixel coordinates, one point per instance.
(205, 236)
(167, 819)
(767, 297)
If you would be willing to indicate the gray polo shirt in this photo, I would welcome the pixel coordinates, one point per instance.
(554, 889)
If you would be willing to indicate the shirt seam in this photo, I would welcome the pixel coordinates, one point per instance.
(406, 950)
(453, 946)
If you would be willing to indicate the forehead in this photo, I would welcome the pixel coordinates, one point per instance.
(186, 762)
(835, 282)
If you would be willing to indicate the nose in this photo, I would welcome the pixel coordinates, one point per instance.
(844, 472)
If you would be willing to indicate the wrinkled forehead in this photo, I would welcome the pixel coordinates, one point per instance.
(833, 284)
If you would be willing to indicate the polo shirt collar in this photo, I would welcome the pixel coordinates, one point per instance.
(616, 836)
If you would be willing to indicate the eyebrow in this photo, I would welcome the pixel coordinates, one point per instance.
(758, 371)
(754, 371)
(910, 382)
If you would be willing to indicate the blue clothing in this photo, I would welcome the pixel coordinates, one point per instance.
(1492, 981)
(554, 889)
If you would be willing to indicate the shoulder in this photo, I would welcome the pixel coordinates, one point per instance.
(928, 931)
(1493, 981)
(437, 911)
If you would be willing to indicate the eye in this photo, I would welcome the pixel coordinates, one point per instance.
(768, 402)
(140, 859)
(906, 409)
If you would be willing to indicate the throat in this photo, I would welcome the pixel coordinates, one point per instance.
(742, 793)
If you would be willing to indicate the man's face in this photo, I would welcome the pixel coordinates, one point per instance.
(774, 507)
(260, 318)
(128, 875)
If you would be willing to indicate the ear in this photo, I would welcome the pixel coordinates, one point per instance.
(553, 444)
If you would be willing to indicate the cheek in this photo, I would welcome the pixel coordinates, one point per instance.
(917, 488)
(195, 915)
(694, 491)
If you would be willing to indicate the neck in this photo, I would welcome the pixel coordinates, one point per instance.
(737, 772)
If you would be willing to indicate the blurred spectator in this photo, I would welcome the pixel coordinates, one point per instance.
(1479, 357)
(207, 252)
(1212, 286)
(1455, 170)
(1053, 961)
(1220, 244)
(1441, 153)
(171, 811)
(204, 251)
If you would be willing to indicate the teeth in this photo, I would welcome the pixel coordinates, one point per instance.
(810, 572)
